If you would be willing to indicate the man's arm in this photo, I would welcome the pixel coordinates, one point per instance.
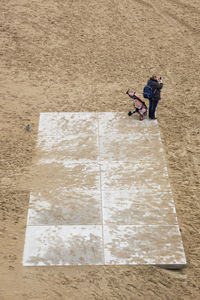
(158, 85)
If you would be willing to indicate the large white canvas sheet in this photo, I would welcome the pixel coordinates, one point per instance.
(100, 194)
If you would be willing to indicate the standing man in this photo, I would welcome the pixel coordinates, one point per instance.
(156, 86)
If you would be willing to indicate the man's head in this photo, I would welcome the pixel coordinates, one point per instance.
(154, 77)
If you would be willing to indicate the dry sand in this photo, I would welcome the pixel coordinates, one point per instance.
(82, 56)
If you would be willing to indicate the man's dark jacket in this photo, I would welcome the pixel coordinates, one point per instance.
(156, 87)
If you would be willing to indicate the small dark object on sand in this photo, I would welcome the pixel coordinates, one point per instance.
(28, 127)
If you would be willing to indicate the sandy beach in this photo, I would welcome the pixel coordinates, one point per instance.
(77, 56)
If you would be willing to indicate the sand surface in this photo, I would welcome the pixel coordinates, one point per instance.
(82, 56)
